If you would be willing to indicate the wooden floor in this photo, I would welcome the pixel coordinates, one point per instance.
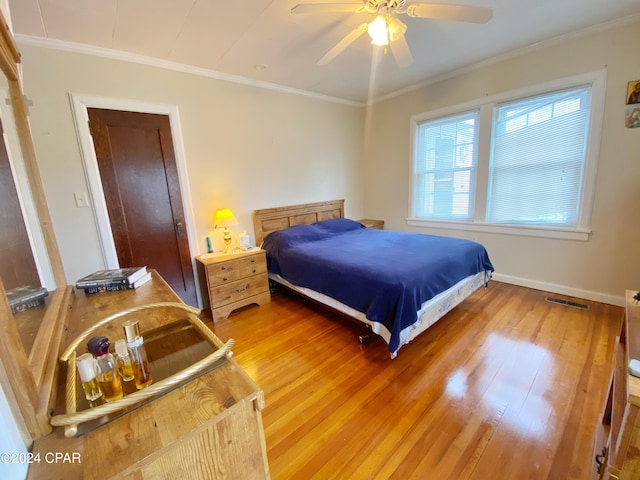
(506, 386)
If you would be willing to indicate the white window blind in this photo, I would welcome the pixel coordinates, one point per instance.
(444, 167)
(538, 159)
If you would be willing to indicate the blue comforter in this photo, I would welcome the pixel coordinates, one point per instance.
(384, 274)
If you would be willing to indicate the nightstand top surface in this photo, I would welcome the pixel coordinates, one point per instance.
(223, 257)
(371, 223)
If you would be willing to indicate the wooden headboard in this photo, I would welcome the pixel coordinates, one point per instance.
(271, 219)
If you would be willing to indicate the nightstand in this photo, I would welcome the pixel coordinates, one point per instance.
(232, 280)
(369, 223)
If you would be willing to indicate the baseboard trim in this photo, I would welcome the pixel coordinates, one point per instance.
(561, 289)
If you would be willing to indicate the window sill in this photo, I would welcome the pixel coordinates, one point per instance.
(519, 230)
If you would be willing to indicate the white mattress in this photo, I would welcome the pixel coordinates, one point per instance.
(430, 312)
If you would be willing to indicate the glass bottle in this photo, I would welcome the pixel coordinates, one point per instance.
(87, 371)
(125, 367)
(106, 368)
(135, 343)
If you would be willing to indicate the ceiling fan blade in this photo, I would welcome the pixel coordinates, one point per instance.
(401, 52)
(327, 8)
(445, 11)
(342, 44)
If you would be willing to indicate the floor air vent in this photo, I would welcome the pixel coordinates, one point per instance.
(568, 303)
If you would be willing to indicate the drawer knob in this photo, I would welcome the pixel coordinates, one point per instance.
(253, 271)
(223, 268)
(224, 279)
(240, 290)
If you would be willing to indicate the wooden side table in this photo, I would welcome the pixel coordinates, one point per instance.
(232, 280)
(369, 223)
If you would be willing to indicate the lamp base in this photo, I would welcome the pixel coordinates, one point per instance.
(227, 241)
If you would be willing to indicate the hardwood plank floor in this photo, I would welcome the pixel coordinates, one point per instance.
(505, 386)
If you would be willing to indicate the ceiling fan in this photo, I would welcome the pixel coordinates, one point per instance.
(387, 28)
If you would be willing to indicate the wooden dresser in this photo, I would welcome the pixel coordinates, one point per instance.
(617, 443)
(232, 280)
(210, 426)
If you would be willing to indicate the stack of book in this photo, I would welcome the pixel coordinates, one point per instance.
(114, 280)
(25, 297)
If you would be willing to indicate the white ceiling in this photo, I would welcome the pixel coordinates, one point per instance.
(234, 37)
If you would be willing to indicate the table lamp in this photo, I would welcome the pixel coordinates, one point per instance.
(224, 218)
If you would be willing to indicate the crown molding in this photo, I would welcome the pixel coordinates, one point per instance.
(620, 22)
(112, 54)
(430, 80)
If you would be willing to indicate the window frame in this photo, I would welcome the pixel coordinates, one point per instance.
(486, 105)
(475, 115)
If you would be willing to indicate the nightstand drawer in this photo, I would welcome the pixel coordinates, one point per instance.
(234, 280)
(235, 291)
(237, 269)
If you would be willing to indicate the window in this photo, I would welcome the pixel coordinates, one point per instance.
(522, 162)
(538, 157)
(445, 167)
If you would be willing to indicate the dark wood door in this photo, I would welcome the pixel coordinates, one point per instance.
(140, 182)
(17, 266)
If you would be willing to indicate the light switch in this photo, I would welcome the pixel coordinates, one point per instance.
(81, 199)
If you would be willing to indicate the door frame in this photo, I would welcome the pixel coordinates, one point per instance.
(80, 103)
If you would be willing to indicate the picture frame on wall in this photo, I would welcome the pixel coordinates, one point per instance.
(632, 116)
(632, 99)
(633, 92)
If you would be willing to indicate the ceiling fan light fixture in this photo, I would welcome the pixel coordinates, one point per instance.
(387, 29)
(396, 29)
(378, 31)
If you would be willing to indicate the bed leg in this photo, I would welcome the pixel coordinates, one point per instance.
(487, 278)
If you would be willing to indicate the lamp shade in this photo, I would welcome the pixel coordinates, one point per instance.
(224, 218)
(396, 29)
(378, 31)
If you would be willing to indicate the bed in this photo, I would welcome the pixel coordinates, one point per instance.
(397, 283)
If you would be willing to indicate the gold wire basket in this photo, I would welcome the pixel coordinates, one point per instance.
(72, 417)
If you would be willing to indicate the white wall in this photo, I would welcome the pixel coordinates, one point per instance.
(246, 147)
(599, 269)
(249, 148)
(12, 441)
